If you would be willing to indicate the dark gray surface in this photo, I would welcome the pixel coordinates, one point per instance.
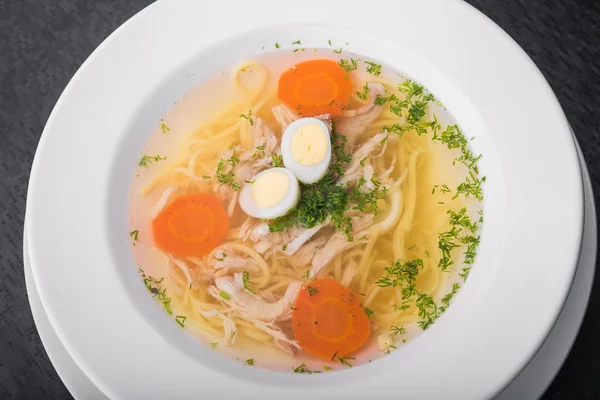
(42, 43)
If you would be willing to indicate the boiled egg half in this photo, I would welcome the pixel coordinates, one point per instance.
(306, 149)
(270, 194)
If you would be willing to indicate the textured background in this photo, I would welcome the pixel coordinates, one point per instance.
(42, 43)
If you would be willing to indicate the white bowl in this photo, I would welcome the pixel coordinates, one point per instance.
(77, 203)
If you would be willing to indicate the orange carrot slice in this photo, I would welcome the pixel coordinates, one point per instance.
(192, 225)
(315, 87)
(328, 320)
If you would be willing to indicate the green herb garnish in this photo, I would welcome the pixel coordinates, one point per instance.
(134, 234)
(364, 93)
(225, 295)
(344, 360)
(164, 127)
(373, 68)
(246, 280)
(397, 330)
(180, 319)
(227, 178)
(248, 116)
(145, 160)
(348, 65)
(303, 369)
(448, 297)
(277, 160)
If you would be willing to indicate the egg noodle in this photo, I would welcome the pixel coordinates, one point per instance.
(406, 228)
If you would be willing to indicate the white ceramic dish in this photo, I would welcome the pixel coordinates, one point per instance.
(77, 218)
(531, 383)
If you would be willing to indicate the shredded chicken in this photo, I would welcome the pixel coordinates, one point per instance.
(361, 166)
(350, 271)
(304, 256)
(338, 243)
(225, 258)
(303, 235)
(353, 123)
(254, 307)
(279, 337)
(228, 325)
(284, 117)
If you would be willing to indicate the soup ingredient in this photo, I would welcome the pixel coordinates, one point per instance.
(328, 320)
(306, 149)
(145, 160)
(284, 117)
(315, 87)
(270, 194)
(192, 225)
(353, 123)
(250, 306)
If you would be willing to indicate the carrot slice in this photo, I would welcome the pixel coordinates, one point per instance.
(328, 320)
(192, 225)
(315, 87)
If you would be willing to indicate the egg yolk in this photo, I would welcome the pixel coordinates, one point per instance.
(270, 188)
(309, 144)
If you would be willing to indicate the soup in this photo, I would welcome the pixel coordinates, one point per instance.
(306, 211)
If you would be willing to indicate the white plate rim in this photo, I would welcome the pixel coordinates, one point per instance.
(42, 217)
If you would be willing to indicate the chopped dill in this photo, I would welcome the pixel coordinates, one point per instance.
(134, 234)
(249, 362)
(369, 312)
(155, 288)
(382, 100)
(277, 160)
(349, 65)
(145, 160)
(206, 177)
(471, 187)
(276, 45)
(225, 295)
(228, 178)
(397, 330)
(246, 280)
(259, 151)
(364, 93)
(296, 42)
(326, 368)
(214, 345)
(448, 297)
(338, 51)
(248, 116)
(164, 128)
(180, 319)
(373, 68)
(312, 291)
(465, 273)
(303, 369)
(247, 181)
(344, 360)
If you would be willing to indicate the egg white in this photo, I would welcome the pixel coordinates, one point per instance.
(289, 201)
(305, 173)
